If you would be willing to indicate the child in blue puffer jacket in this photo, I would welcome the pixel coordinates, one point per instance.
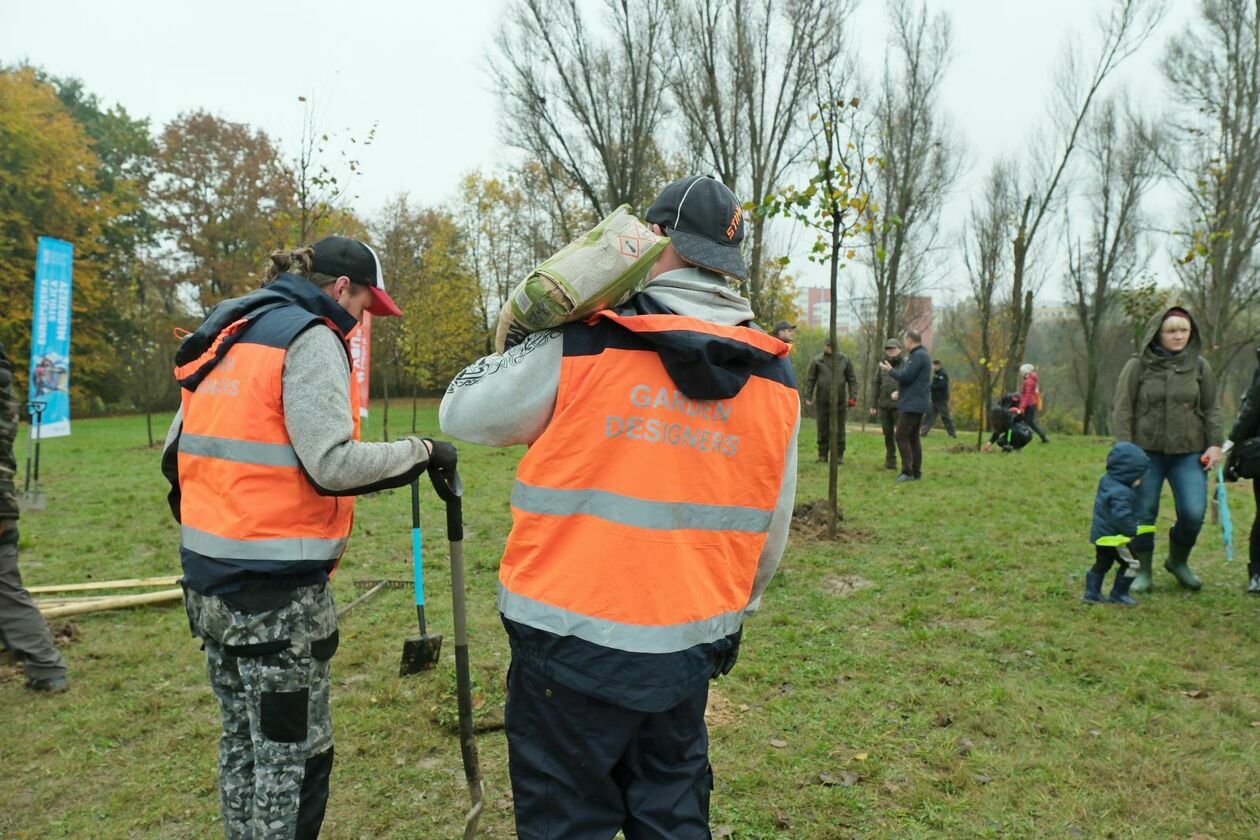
(1115, 524)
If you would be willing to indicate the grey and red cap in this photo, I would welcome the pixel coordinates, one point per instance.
(704, 221)
(340, 256)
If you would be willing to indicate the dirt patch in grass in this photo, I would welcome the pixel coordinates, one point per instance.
(962, 448)
(809, 524)
(843, 586)
(720, 711)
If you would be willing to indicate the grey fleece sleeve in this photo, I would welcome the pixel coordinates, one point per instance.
(780, 521)
(317, 415)
(505, 399)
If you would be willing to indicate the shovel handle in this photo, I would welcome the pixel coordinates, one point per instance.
(417, 552)
(450, 489)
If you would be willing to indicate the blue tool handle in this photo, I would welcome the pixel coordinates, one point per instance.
(416, 551)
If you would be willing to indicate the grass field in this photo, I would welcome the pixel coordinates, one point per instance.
(932, 675)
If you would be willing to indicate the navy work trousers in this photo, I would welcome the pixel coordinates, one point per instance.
(583, 769)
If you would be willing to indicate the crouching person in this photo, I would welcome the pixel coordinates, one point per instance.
(1116, 524)
(648, 515)
(264, 460)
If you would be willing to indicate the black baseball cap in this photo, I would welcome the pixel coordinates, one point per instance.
(340, 256)
(784, 325)
(704, 221)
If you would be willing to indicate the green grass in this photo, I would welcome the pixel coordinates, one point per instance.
(965, 692)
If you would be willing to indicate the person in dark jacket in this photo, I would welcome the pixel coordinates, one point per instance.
(940, 401)
(1245, 427)
(914, 380)
(1167, 403)
(884, 401)
(818, 395)
(1115, 524)
(23, 629)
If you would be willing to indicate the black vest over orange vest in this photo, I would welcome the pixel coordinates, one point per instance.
(250, 515)
(640, 514)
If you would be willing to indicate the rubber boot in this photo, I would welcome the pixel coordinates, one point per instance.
(1093, 587)
(1142, 583)
(1120, 590)
(1176, 564)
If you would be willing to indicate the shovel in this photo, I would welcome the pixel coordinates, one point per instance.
(451, 490)
(419, 654)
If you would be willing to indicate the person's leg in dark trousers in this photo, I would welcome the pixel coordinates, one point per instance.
(928, 420)
(842, 416)
(583, 768)
(909, 443)
(822, 416)
(1030, 417)
(888, 422)
(1253, 563)
(948, 422)
(22, 626)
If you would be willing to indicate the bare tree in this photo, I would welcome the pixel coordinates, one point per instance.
(1125, 27)
(320, 186)
(587, 103)
(920, 159)
(744, 90)
(1121, 169)
(1214, 71)
(976, 326)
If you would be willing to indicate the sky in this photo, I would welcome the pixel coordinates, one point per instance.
(418, 71)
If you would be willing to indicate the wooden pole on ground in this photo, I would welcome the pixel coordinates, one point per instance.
(113, 603)
(104, 584)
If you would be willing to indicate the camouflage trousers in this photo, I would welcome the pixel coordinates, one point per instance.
(268, 655)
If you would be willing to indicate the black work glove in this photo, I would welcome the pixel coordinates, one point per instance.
(727, 661)
(443, 456)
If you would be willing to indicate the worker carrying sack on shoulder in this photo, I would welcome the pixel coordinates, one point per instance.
(596, 271)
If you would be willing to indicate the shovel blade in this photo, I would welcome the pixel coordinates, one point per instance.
(420, 654)
(33, 500)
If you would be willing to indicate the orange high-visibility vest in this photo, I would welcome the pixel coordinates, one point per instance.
(247, 507)
(640, 514)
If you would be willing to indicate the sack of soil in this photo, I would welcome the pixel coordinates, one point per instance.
(595, 271)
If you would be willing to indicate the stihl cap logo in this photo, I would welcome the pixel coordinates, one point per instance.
(733, 227)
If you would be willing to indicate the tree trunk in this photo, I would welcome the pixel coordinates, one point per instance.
(414, 408)
(148, 421)
(833, 398)
(385, 409)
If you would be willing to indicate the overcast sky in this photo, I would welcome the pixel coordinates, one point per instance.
(418, 71)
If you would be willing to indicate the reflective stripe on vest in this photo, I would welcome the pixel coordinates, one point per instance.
(628, 637)
(244, 495)
(1113, 541)
(295, 549)
(639, 515)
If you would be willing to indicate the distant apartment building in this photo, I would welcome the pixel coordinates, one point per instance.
(814, 303)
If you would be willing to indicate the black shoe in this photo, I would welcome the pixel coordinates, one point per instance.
(48, 685)
(1253, 587)
(903, 477)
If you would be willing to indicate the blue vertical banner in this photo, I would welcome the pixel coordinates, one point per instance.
(50, 336)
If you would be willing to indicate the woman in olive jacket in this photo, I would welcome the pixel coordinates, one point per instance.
(1167, 403)
(1248, 426)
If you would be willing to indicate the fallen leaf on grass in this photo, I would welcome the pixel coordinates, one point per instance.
(845, 779)
(1196, 694)
(1097, 733)
(861, 756)
(964, 746)
(778, 743)
(983, 779)
(724, 831)
(781, 819)
(1255, 724)
(891, 787)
